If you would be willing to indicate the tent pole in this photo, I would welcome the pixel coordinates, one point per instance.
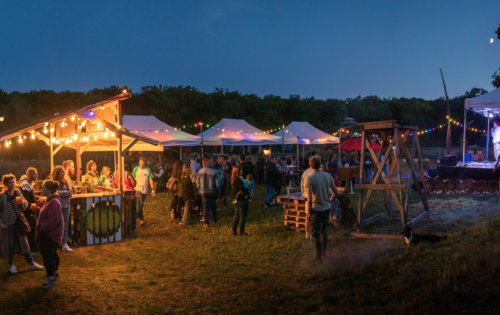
(180, 152)
(201, 133)
(298, 154)
(463, 138)
(221, 148)
(283, 141)
(488, 139)
(340, 139)
(121, 160)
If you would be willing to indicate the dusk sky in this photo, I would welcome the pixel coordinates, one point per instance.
(325, 49)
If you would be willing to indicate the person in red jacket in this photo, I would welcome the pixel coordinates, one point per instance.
(49, 231)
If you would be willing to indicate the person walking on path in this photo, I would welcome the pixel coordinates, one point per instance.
(318, 206)
(12, 203)
(143, 177)
(207, 184)
(65, 192)
(241, 205)
(49, 231)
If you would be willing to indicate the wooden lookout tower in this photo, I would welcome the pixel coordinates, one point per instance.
(398, 141)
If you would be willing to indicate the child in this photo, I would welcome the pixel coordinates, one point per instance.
(248, 184)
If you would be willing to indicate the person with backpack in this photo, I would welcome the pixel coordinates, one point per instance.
(186, 191)
(173, 186)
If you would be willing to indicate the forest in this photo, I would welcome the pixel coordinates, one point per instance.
(182, 106)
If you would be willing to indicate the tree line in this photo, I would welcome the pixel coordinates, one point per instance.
(183, 106)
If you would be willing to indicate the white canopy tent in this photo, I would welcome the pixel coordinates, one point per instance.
(154, 128)
(487, 105)
(237, 132)
(305, 133)
(301, 132)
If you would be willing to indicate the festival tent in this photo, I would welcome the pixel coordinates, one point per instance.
(305, 133)
(154, 128)
(237, 132)
(354, 144)
(487, 105)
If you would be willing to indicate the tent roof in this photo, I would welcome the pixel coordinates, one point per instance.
(307, 134)
(489, 102)
(95, 115)
(237, 132)
(354, 144)
(160, 131)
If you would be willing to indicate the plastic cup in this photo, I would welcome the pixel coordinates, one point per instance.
(18, 200)
(42, 200)
(33, 207)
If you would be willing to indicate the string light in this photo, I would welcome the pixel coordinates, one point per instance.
(73, 118)
(20, 139)
(32, 134)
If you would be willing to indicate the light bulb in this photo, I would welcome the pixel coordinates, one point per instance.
(20, 139)
(52, 129)
(32, 135)
(7, 143)
(45, 130)
(106, 134)
(95, 137)
(112, 134)
(46, 123)
(73, 118)
(75, 136)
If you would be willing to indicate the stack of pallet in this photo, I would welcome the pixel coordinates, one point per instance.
(295, 210)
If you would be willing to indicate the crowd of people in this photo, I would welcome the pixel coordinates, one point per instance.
(40, 223)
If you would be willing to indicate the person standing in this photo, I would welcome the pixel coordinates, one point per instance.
(272, 175)
(261, 167)
(318, 206)
(12, 203)
(187, 194)
(244, 166)
(129, 184)
(159, 172)
(195, 167)
(91, 176)
(208, 186)
(28, 191)
(221, 173)
(144, 179)
(251, 168)
(49, 231)
(308, 172)
(69, 171)
(176, 203)
(241, 204)
(106, 179)
(333, 164)
(495, 133)
(65, 192)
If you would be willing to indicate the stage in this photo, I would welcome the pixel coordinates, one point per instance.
(472, 170)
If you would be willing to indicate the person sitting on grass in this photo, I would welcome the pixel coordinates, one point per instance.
(248, 184)
(49, 231)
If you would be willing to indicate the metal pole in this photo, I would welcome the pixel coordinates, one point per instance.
(463, 139)
(488, 138)
(180, 152)
(221, 147)
(201, 130)
(340, 139)
(283, 141)
(298, 154)
(51, 149)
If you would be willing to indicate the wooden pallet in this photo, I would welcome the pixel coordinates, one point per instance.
(300, 226)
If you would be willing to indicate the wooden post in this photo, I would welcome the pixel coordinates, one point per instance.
(51, 150)
(78, 161)
(120, 149)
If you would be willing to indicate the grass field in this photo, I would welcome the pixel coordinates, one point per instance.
(170, 269)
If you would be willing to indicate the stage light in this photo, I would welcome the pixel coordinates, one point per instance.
(461, 125)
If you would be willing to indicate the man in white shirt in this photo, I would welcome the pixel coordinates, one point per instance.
(495, 133)
(143, 176)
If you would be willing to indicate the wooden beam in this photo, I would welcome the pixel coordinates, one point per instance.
(381, 186)
(129, 146)
(408, 184)
(419, 217)
(85, 147)
(375, 218)
(388, 237)
(54, 152)
(362, 206)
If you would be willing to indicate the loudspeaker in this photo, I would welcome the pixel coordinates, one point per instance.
(448, 160)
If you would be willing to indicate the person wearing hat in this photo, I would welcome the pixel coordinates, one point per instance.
(143, 177)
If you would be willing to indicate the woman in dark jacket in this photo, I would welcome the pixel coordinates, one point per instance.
(186, 189)
(241, 206)
(49, 231)
(176, 203)
(65, 192)
(261, 166)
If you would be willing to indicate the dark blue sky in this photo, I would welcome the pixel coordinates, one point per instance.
(324, 49)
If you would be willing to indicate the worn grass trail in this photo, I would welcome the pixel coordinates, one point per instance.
(170, 269)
